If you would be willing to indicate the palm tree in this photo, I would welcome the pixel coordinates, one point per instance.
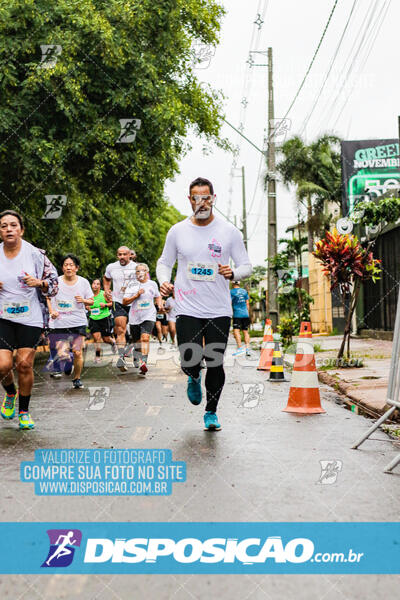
(295, 247)
(315, 170)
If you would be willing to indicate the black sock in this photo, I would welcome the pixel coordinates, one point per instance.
(24, 403)
(10, 388)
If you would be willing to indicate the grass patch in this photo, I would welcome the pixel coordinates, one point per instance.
(319, 348)
(256, 334)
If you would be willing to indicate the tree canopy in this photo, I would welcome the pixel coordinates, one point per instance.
(96, 100)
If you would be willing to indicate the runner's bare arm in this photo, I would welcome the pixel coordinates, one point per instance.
(159, 303)
(85, 301)
(130, 299)
(107, 288)
(53, 313)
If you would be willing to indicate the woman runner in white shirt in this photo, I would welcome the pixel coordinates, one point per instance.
(68, 317)
(26, 278)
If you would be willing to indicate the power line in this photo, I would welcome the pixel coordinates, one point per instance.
(369, 15)
(378, 27)
(330, 68)
(242, 135)
(254, 43)
(312, 61)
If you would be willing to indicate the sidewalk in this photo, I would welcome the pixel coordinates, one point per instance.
(366, 386)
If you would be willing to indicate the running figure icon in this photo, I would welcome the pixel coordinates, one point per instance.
(62, 549)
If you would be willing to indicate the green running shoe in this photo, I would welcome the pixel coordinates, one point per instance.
(26, 421)
(8, 407)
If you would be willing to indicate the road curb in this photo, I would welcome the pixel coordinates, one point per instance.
(344, 389)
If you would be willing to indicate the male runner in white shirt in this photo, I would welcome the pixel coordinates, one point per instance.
(120, 273)
(203, 244)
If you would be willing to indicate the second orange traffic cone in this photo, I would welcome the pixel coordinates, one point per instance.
(304, 395)
(305, 330)
(267, 348)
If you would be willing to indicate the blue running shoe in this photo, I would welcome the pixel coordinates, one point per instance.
(194, 390)
(211, 421)
(239, 351)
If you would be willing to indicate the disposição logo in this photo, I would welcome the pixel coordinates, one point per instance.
(63, 543)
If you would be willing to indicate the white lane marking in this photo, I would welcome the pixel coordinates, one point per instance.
(141, 434)
(153, 411)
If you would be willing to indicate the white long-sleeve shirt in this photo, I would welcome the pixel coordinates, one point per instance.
(199, 290)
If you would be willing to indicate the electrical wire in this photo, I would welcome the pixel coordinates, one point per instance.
(374, 36)
(365, 25)
(246, 90)
(329, 69)
(313, 59)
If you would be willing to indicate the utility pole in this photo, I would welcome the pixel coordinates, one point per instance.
(244, 215)
(272, 304)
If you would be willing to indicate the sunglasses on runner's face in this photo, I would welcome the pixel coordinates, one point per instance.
(200, 199)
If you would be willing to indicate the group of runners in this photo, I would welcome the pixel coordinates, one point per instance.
(196, 307)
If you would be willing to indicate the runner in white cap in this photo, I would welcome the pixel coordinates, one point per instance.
(142, 314)
(120, 273)
(203, 244)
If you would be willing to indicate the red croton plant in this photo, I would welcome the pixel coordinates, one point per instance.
(347, 264)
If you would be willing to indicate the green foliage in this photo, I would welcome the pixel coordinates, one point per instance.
(384, 209)
(296, 302)
(60, 125)
(279, 263)
(287, 329)
(292, 299)
(251, 283)
(258, 274)
(90, 237)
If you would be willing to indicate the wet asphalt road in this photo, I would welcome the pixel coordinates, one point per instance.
(263, 466)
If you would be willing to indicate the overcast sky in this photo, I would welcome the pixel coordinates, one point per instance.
(358, 101)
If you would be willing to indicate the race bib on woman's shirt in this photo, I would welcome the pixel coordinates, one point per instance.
(142, 305)
(65, 306)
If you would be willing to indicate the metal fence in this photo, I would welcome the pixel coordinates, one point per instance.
(380, 298)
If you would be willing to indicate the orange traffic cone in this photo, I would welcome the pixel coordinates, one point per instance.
(305, 329)
(267, 348)
(304, 395)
